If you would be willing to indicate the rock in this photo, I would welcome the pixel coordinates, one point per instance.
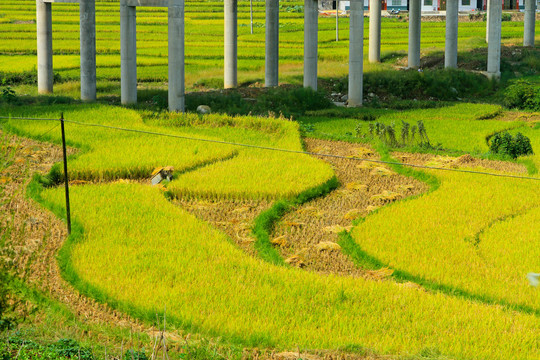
(339, 103)
(204, 109)
(327, 246)
(344, 98)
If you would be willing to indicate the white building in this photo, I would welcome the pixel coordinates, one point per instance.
(440, 5)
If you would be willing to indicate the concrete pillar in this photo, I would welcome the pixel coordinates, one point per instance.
(415, 20)
(231, 44)
(374, 31)
(356, 52)
(487, 20)
(494, 40)
(311, 28)
(44, 47)
(337, 20)
(451, 44)
(272, 44)
(176, 56)
(87, 11)
(128, 53)
(530, 11)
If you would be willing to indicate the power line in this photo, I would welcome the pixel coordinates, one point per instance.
(302, 152)
(25, 118)
(282, 150)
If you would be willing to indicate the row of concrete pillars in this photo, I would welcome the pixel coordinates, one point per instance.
(88, 47)
(128, 49)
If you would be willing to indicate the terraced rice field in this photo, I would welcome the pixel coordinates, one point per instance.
(277, 250)
(414, 272)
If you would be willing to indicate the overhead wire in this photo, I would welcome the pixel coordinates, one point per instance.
(80, 123)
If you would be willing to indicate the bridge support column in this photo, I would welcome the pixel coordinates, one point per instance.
(494, 39)
(176, 56)
(87, 9)
(231, 44)
(374, 30)
(128, 53)
(530, 14)
(451, 44)
(272, 44)
(415, 21)
(356, 53)
(44, 47)
(311, 28)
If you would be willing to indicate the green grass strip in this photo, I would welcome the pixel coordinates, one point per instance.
(264, 223)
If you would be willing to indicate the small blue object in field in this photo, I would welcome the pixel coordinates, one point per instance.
(534, 279)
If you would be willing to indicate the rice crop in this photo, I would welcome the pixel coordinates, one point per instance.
(142, 260)
(108, 154)
(246, 173)
(439, 238)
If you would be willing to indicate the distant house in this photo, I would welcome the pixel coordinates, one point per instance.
(431, 5)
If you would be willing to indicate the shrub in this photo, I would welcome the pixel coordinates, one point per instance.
(231, 103)
(291, 102)
(8, 95)
(69, 348)
(135, 355)
(523, 94)
(288, 102)
(506, 144)
(6, 320)
(25, 77)
(506, 17)
(437, 84)
(409, 135)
